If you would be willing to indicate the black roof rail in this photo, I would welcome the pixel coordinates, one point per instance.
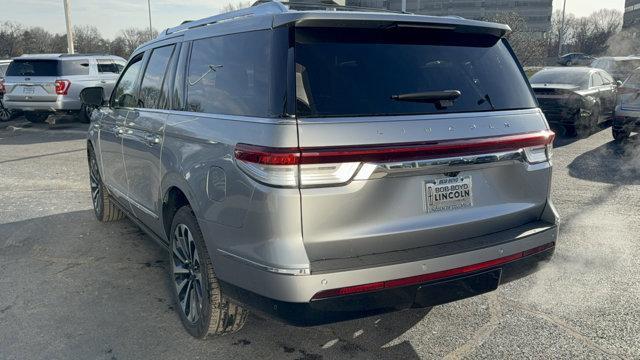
(271, 7)
(326, 5)
(85, 54)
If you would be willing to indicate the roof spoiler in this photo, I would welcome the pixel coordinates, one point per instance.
(268, 8)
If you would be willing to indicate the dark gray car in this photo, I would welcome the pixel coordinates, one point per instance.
(325, 165)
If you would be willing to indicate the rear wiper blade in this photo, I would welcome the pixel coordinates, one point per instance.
(429, 96)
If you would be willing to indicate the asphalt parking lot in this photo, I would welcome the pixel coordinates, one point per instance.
(74, 288)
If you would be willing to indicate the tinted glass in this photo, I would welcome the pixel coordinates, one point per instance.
(177, 94)
(231, 75)
(356, 73)
(33, 68)
(3, 70)
(577, 78)
(74, 67)
(633, 81)
(596, 80)
(608, 80)
(153, 76)
(125, 94)
(107, 66)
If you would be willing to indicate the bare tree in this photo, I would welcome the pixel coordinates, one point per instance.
(36, 40)
(131, 38)
(87, 39)
(237, 6)
(529, 48)
(10, 39)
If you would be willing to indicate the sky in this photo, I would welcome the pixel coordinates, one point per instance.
(110, 16)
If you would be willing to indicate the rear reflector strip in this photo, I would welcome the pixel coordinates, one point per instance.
(420, 279)
(391, 152)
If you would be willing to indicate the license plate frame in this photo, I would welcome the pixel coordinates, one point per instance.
(28, 90)
(447, 194)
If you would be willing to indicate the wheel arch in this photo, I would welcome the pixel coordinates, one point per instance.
(175, 194)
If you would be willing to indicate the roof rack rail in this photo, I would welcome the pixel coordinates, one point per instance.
(272, 7)
(301, 5)
(84, 54)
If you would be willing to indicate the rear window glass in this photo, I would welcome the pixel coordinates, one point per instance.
(558, 77)
(33, 68)
(633, 81)
(74, 67)
(356, 73)
(233, 74)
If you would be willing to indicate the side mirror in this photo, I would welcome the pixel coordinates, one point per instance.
(619, 83)
(92, 96)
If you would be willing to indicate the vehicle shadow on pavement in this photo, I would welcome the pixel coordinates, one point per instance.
(12, 132)
(564, 139)
(611, 163)
(93, 288)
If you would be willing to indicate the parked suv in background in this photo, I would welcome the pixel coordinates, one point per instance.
(41, 85)
(619, 67)
(324, 165)
(627, 113)
(5, 114)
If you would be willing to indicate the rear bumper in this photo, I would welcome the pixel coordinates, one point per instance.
(291, 297)
(341, 308)
(62, 104)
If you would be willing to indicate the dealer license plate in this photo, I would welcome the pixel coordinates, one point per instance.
(448, 194)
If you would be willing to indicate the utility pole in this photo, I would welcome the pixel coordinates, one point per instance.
(67, 16)
(561, 30)
(150, 27)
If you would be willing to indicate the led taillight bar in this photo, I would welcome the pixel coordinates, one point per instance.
(420, 279)
(391, 152)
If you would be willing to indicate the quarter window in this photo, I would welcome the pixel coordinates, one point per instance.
(153, 76)
(107, 66)
(125, 92)
(230, 75)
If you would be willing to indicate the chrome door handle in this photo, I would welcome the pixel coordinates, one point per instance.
(103, 81)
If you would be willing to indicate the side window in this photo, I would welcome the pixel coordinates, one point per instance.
(107, 66)
(608, 80)
(177, 94)
(125, 92)
(596, 80)
(120, 65)
(74, 67)
(153, 76)
(229, 75)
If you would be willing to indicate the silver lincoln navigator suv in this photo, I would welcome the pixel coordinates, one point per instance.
(317, 166)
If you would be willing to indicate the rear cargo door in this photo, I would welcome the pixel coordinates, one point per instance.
(630, 93)
(425, 131)
(32, 80)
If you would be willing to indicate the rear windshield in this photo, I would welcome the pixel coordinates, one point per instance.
(48, 67)
(357, 72)
(33, 68)
(580, 79)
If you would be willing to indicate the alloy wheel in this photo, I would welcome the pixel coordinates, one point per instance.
(187, 273)
(96, 188)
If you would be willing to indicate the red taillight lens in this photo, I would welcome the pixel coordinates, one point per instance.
(338, 165)
(420, 279)
(62, 87)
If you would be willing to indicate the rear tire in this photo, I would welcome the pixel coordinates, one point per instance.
(203, 309)
(620, 135)
(36, 117)
(103, 207)
(585, 127)
(5, 114)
